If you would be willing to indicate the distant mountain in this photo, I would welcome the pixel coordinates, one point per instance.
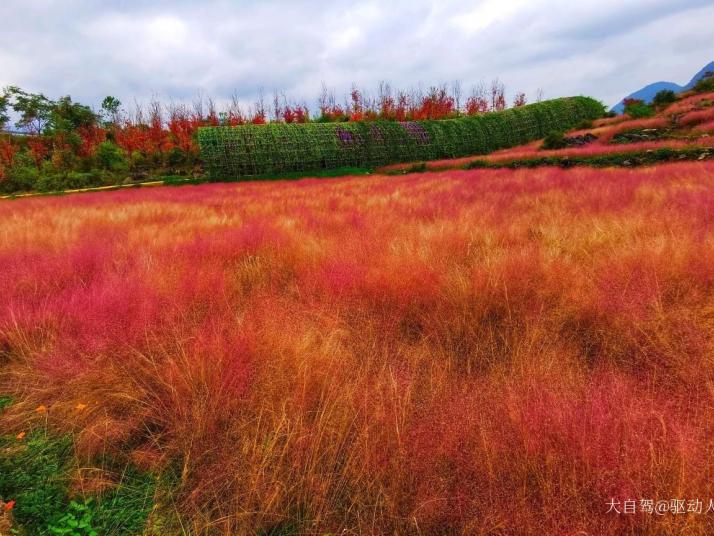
(697, 77)
(648, 92)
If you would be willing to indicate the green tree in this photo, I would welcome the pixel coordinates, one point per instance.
(4, 105)
(34, 109)
(664, 97)
(22, 176)
(637, 109)
(110, 109)
(68, 116)
(111, 157)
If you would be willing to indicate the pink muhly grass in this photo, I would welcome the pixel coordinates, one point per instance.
(453, 352)
(605, 134)
(689, 103)
(697, 116)
(595, 149)
(706, 128)
(606, 121)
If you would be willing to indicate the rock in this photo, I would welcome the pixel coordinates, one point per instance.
(579, 141)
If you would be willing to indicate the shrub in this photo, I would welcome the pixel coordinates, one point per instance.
(176, 157)
(637, 109)
(110, 157)
(232, 152)
(64, 159)
(71, 180)
(22, 176)
(554, 140)
(137, 161)
(663, 98)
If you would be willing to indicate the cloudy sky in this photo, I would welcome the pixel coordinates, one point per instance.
(177, 48)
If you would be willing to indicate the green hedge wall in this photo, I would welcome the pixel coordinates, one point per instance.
(249, 150)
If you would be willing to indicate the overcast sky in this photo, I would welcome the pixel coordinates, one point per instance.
(177, 48)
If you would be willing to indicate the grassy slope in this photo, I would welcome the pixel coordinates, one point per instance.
(689, 126)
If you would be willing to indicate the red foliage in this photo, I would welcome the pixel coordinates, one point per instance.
(400, 113)
(8, 150)
(39, 148)
(357, 104)
(258, 118)
(182, 128)
(91, 137)
(387, 109)
(153, 139)
(476, 105)
(288, 115)
(498, 96)
(520, 100)
(437, 104)
(295, 114)
(235, 118)
(156, 138)
(301, 114)
(333, 113)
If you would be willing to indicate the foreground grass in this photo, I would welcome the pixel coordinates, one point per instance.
(50, 493)
(470, 352)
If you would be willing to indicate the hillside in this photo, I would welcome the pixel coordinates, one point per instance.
(684, 130)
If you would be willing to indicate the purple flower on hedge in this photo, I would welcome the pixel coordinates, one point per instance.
(376, 133)
(345, 136)
(416, 132)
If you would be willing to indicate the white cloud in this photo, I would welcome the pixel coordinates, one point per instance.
(176, 48)
(486, 13)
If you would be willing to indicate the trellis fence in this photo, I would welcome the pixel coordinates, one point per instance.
(251, 150)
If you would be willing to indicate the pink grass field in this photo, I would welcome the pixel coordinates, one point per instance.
(533, 150)
(461, 352)
(594, 149)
